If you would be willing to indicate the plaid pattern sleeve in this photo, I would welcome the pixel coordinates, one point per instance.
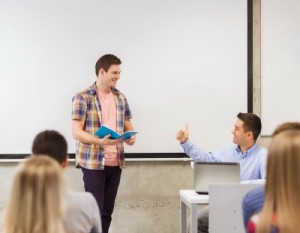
(127, 110)
(79, 107)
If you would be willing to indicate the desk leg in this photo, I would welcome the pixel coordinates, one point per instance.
(194, 220)
(182, 217)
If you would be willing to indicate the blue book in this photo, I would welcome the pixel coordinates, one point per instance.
(103, 131)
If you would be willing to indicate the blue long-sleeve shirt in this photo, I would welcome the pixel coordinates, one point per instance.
(252, 162)
(253, 202)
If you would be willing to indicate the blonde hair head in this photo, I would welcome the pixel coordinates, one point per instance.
(36, 202)
(283, 183)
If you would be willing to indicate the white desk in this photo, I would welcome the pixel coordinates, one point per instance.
(189, 198)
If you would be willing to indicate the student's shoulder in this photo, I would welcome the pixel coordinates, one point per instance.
(82, 212)
(86, 93)
(75, 194)
(262, 149)
(255, 194)
(259, 191)
(79, 197)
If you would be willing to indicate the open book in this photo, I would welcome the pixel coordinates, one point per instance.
(103, 131)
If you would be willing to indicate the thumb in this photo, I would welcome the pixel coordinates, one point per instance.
(187, 127)
(107, 136)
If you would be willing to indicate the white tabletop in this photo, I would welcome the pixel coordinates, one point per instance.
(192, 197)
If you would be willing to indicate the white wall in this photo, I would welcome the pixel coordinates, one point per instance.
(280, 63)
(183, 62)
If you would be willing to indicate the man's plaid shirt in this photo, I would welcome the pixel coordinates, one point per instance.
(86, 106)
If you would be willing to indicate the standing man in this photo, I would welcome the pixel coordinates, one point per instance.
(101, 160)
(244, 149)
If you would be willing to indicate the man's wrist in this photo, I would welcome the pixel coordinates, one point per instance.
(101, 142)
(184, 141)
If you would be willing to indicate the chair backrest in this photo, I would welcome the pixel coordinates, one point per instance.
(225, 207)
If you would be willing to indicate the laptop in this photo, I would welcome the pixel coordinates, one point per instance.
(206, 173)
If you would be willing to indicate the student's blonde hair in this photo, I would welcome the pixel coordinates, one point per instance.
(283, 183)
(36, 202)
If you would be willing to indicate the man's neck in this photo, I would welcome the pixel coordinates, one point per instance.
(102, 88)
(246, 147)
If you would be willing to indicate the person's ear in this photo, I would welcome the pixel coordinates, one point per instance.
(250, 134)
(64, 163)
(101, 72)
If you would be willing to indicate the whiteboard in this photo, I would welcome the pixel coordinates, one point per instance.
(182, 62)
(280, 63)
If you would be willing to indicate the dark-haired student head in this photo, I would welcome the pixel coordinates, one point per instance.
(251, 123)
(53, 144)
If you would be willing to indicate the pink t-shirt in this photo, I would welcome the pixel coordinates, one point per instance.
(109, 119)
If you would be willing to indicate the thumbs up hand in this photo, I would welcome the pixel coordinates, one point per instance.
(183, 134)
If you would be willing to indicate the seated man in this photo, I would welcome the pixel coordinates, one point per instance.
(251, 156)
(82, 212)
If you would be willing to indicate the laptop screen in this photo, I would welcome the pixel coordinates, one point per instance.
(206, 173)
